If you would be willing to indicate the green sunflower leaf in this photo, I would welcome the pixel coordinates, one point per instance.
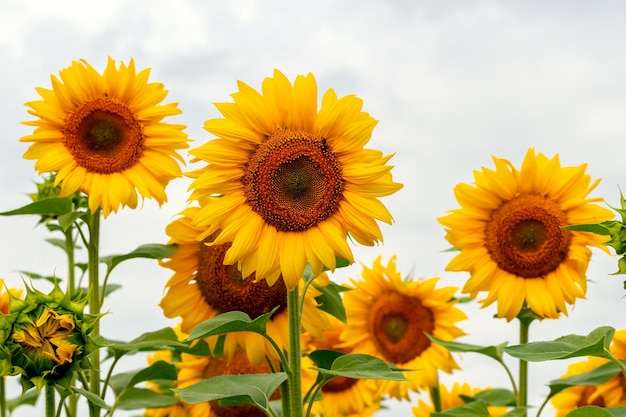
(138, 398)
(159, 370)
(360, 366)
(472, 409)
(570, 346)
(330, 301)
(232, 321)
(597, 376)
(496, 396)
(149, 341)
(47, 206)
(148, 251)
(253, 389)
(494, 352)
(594, 411)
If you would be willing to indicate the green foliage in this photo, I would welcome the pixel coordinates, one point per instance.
(494, 352)
(615, 229)
(148, 251)
(595, 343)
(232, 321)
(255, 389)
(472, 409)
(597, 376)
(330, 301)
(53, 206)
(593, 411)
(353, 365)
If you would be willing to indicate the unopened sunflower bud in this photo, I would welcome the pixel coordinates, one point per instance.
(45, 337)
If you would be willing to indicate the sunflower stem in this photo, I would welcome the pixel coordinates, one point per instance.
(94, 305)
(3, 398)
(435, 397)
(522, 400)
(295, 351)
(50, 403)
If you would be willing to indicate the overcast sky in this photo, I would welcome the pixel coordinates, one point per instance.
(451, 82)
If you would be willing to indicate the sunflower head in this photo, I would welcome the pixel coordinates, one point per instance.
(295, 181)
(390, 318)
(45, 337)
(202, 287)
(511, 236)
(104, 135)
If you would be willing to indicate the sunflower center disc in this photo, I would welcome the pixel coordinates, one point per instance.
(104, 136)
(399, 324)
(293, 181)
(224, 289)
(525, 236)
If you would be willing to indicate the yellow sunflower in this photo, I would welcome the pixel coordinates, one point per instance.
(340, 397)
(202, 287)
(294, 181)
(452, 398)
(104, 135)
(609, 394)
(510, 234)
(389, 318)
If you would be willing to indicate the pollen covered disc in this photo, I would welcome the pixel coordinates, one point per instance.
(223, 287)
(104, 137)
(399, 324)
(525, 236)
(293, 181)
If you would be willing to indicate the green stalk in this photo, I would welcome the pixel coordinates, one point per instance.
(295, 351)
(435, 397)
(3, 399)
(50, 403)
(94, 305)
(70, 247)
(522, 400)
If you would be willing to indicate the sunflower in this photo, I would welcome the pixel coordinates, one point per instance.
(341, 396)
(510, 234)
(389, 318)
(294, 181)
(609, 394)
(453, 398)
(104, 135)
(202, 287)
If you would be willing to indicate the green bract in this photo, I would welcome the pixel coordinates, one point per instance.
(45, 337)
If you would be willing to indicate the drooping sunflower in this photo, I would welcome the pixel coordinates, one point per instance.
(609, 394)
(451, 398)
(341, 396)
(389, 317)
(295, 182)
(104, 135)
(510, 234)
(202, 287)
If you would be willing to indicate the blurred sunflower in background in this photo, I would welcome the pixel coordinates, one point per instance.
(104, 135)
(509, 231)
(202, 287)
(451, 398)
(294, 181)
(389, 318)
(610, 394)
